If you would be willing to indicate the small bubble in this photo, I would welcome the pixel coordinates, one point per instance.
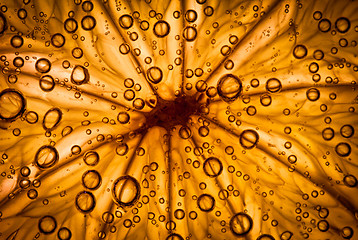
(213, 167)
(249, 139)
(70, 25)
(91, 158)
(91, 179)
(324, 25)
(43, 65)
(47, 83)
(189, 33)
(85, 202)
(126, 191)
(64, 233)
(161, 28)
(88, 23)
(155, 75)
(12, 104)
(47, 224)
(126, 21)
(17, 41)
(51, 119)
(343, 149)
(313, 94)
(342, 24)
(229, 87)
(80, 75)
(58, 40)
(191, 15)
(241, 224)
(206, 202)
(123, 117)
(273, 85)
(46, 157)
(300, 51)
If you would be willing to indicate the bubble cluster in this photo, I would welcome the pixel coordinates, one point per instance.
(190, 119)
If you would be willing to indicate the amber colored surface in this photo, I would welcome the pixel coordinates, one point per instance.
(182, 119)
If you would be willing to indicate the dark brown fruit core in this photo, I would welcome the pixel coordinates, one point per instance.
(168, 114)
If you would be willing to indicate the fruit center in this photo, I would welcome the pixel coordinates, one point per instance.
(167, 114)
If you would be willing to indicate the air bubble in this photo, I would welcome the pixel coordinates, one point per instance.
(191, 15)
(126, 191)
(229, 87)
(47, 224)
(241, 224)
(203, 131)
(249, 139)
(123, 117)
(209, 11)
(313, 94)
(286, 235)
(206, 202)
(46, 157)
(58, 40)
(273, 85)
(17, 41)
(91, 179)
(328, 134)
(32, 117)
(124, 48)
(324, 25)
(18, 62)
(347, 131)
(77, 52)
(47, 83)
(126, 21)
(318, 54)
(129, 94)
(213, 167)
(12, 104)
(87, 6)
(32, 194)
(155, 75)
(80, 75)
(43, 65)
(174, 236)
(233, 39)
(323, 226)
(317, 15)
(161, 28)
(71, 25)
(189, 33)
(144, 25)
(138, 103)
(343, 149)
(313, 67)
(265, 237)
(25, 171)
(122, 149)
(343, 24)
(184, 132)
(347, 232)
(64, 233)
(225, 50)
(88, 23)
(22, 13)
(300, 51)
(350, 181)
(51, 119)
(265, 100)
(91, 158)
(85, 202)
